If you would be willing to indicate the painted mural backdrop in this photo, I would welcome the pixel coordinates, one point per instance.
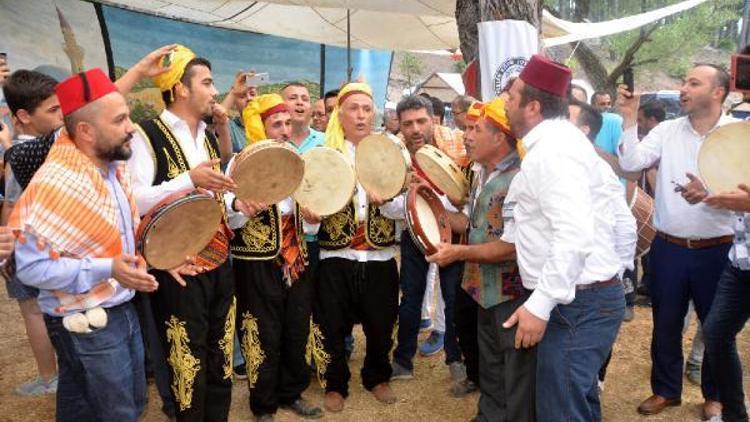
(64, 36)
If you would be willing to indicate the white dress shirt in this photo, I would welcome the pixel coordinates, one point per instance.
(142, 163)
(675, 144)
(561, 212)
(360, 204)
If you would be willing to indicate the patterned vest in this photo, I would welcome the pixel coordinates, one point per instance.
(261, 238)
(338, 230)
(170, 161)
(490, 284)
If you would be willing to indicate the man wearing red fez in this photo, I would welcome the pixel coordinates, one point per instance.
(558, 221)
(76, 243)
(194, 313)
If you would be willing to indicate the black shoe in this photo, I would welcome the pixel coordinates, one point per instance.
(304, 409)
(240, 372)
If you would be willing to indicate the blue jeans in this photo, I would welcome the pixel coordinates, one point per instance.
(729, 312)
(576, 342)
(413, 280)
(101, 375)
(679, 274)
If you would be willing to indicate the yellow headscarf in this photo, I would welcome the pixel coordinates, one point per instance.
(257, 110)
(475, 111)
(334, 130)
(494, 112)
(181, 55)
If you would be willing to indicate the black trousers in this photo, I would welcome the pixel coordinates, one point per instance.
(508, 374)
(465, 317)
(196, 326)
(274, 324)
(349, 291)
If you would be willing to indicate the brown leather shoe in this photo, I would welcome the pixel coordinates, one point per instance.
(334, 402)
(383, 393)
(711, 408)
(655, 404)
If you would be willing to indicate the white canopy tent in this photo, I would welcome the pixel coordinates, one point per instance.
(444, 86)
(375, 24)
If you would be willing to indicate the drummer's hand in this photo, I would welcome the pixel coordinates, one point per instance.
(130, 271)
(458, 204)
(694, 191)
(736, 200)
(7, 242)
(187, 268)
(220, 115)
(249, 208)
(204, 176)
(309, 216)
(446, 254)
(627, 106)
(375, 199)
(153, 63)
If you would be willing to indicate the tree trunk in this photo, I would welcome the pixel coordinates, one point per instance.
(471, 12)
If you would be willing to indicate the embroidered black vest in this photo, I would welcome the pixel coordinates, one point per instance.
(261, 238)
(169, 159)
(338, 230)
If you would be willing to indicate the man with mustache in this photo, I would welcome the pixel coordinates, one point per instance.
(693, 240)
(357, 276)
(273, 286)
(415, 122)
(194, 312)
(508, 374)
(319, 116)
(87, 250)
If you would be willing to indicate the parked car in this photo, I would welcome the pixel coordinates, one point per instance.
(670, 99)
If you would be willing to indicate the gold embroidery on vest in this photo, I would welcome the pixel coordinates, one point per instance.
(379, 230)
(175, 146)
(172, 169)
(258, 236)
(184, 365)
(251, 347)
(226, 344)
(315, 351)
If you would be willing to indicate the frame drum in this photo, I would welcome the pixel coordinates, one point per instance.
(723, 157)
(267, 172)
(328, 183)
(426, 219)
(382, 166)
(443, 173)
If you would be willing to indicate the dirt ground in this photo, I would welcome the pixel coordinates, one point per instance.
(421, 399)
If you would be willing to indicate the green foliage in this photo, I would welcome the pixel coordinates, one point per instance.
(312, 87)
(140, 111)
(140, 86)
(672, 46)
(410, 68)
(459, 66)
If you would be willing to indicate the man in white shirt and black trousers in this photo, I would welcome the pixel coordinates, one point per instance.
(559, 215)
(693, 239)
(171, 153)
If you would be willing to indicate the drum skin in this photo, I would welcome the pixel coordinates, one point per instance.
(267, 172)
(382, 166)
(426, 219)
(642, 207)
(180, 225)
(443, 173)
(723, 157)
(328, 182)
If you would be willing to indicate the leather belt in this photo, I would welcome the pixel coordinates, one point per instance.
(599, 284)
(696, 243)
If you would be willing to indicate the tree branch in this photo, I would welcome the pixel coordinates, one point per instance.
(629, 55)
(642, 62)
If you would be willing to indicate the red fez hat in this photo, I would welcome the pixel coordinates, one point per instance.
(546, 75)
(83, 88)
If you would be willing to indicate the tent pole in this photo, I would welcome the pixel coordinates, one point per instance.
(348, 47)
(322, 69)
